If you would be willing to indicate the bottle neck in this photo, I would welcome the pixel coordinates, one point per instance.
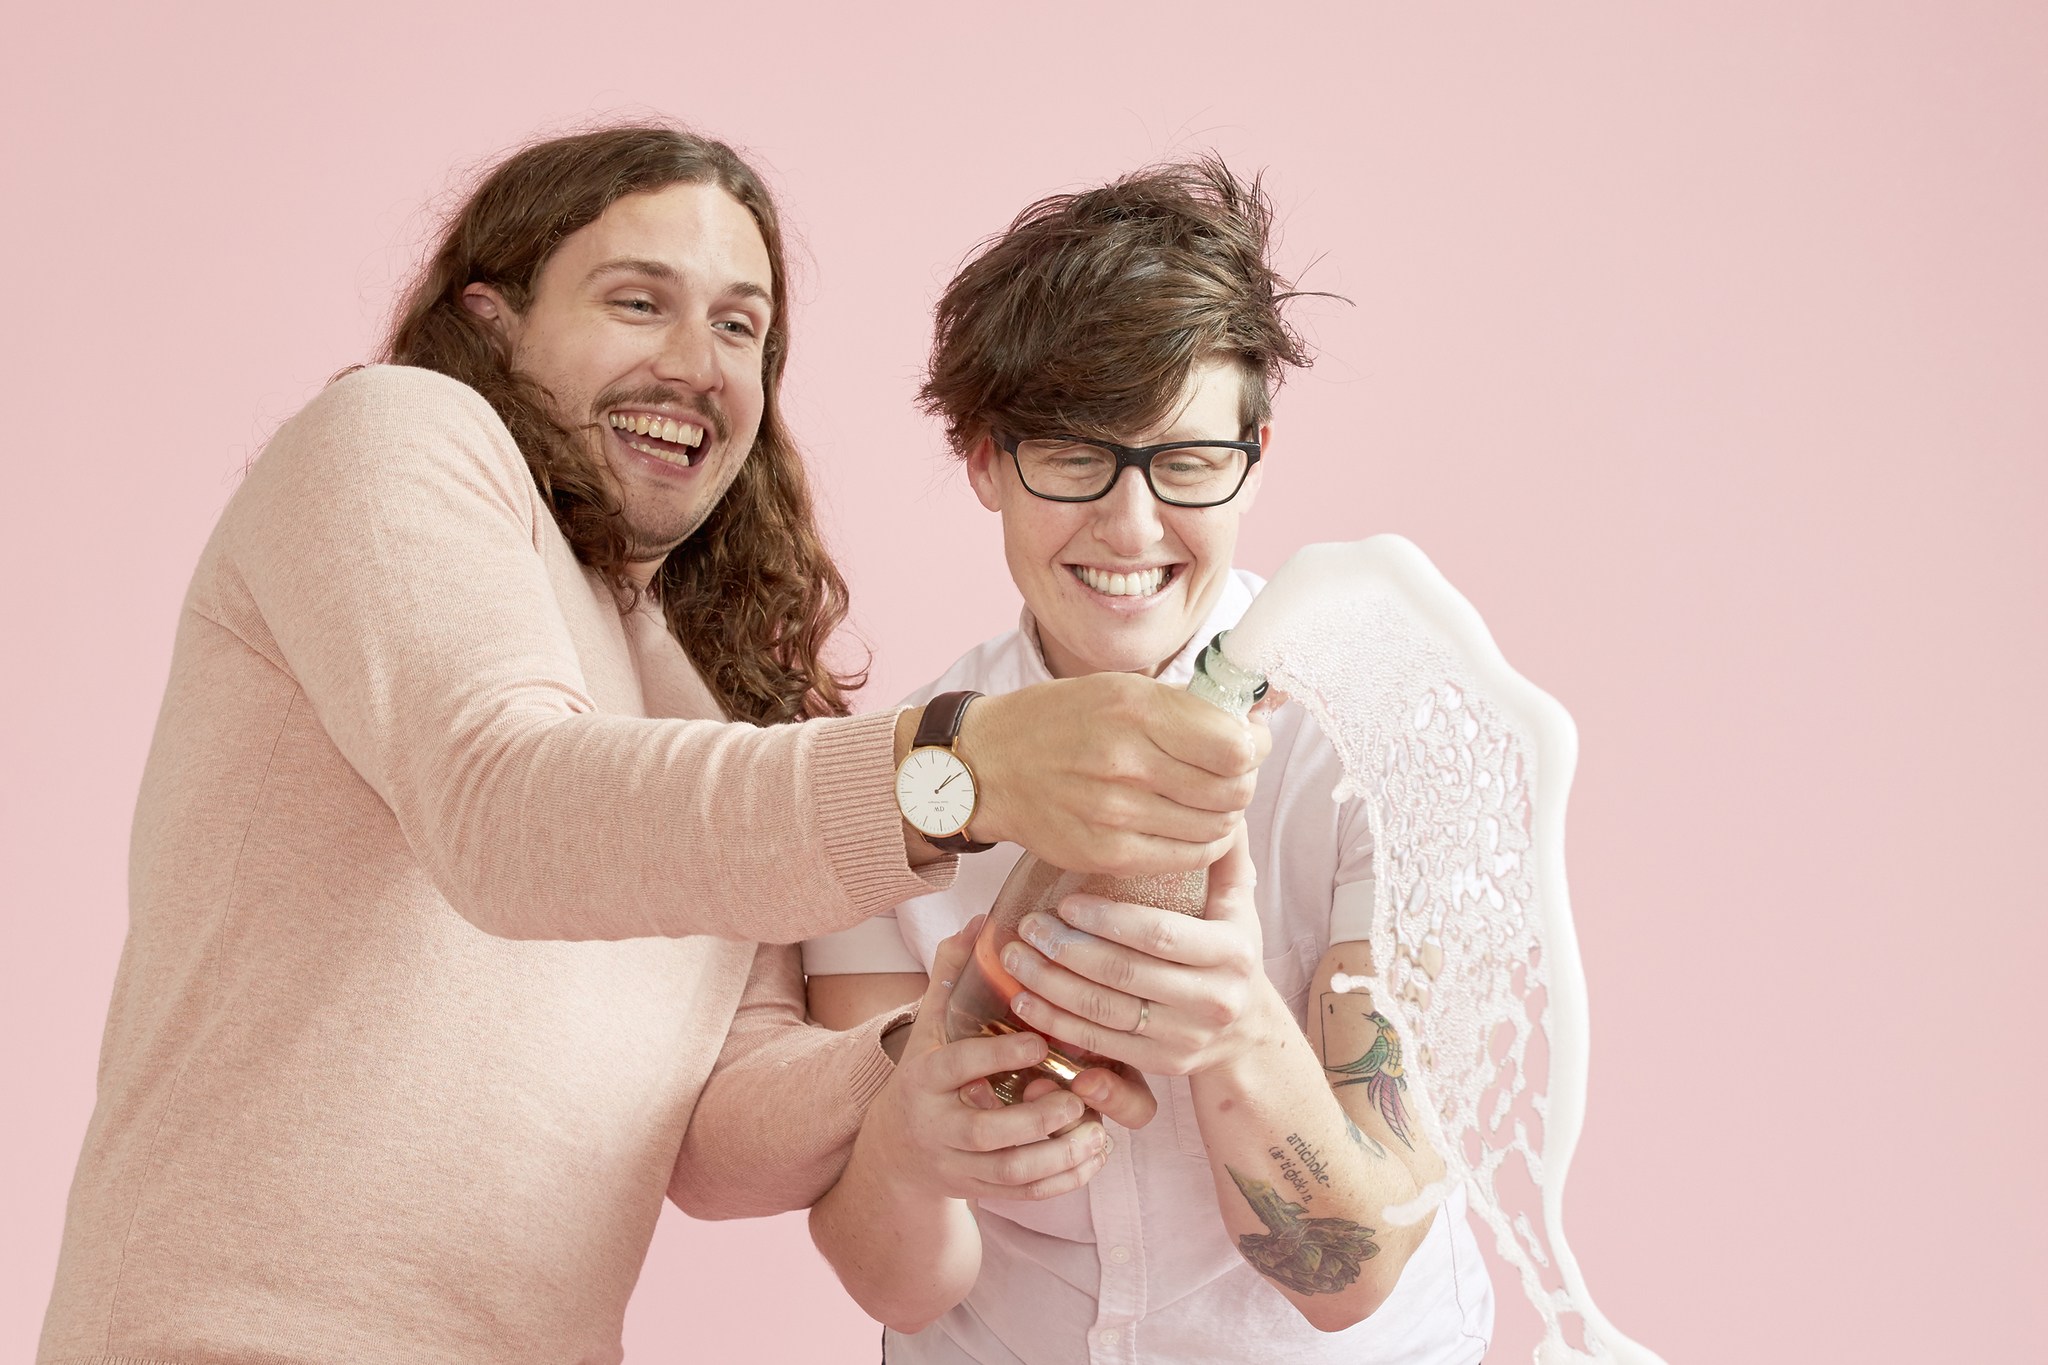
(1222, 683)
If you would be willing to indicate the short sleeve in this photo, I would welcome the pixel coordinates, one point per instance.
(1351, 912)
(1351, 897)
(872, 946)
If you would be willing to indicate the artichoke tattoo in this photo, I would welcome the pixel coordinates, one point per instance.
(1308, 1255)
(1380, 1072)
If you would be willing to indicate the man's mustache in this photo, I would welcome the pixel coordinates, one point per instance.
(700, 406)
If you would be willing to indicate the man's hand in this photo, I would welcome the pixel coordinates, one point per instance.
(937, 1128)
(1111, 773)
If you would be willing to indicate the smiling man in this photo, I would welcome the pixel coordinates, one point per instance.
(496, 732)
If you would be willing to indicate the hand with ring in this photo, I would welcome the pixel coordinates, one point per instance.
(1163, 992)
(937, 1126)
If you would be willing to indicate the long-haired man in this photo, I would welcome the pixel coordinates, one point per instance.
(472, 792)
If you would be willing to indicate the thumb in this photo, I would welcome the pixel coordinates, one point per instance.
(1231, 881)
(949, 960)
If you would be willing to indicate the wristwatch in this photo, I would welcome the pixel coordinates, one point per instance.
(934, 787)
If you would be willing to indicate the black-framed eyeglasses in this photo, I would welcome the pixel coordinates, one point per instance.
(1179, 473)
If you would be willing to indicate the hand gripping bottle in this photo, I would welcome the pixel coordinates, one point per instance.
(980, 1003)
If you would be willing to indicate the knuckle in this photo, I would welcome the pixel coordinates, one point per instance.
(1227, 1006)
(1125, 768)
(1123, 851)
(1120, 973)
(1101, 1004)
(1013, 1167)
(1062, 1116)
(1049, 1188)
(1083, 1033)
(984, 1130)
(1162, 936)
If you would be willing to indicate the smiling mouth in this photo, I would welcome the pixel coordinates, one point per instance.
(1139, 583)
(662, 437)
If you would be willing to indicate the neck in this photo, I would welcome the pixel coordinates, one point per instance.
(1061, 664)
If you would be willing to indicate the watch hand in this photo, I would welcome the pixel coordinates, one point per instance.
(942, 786)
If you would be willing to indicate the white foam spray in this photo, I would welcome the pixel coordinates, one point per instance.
(1464, 767)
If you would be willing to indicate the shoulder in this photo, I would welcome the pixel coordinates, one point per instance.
(396, 424)
(400, 400)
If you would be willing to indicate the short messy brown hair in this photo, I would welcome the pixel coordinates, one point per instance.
(1086, 316)
(752, 595)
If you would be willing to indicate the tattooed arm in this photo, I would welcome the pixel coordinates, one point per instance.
(1310, 1137)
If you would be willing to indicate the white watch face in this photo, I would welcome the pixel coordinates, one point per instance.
(935, 791)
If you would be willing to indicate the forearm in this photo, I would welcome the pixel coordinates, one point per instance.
(905, 1256)
(770, 835)
(776, 1122)
(1302, 1197)
(435, 650)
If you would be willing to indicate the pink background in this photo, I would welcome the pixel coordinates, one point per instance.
(1704, 347)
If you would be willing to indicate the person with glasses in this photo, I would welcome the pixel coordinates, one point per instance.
(1105, 370)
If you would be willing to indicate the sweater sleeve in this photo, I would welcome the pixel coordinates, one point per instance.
(775, 1124)
(390, 552)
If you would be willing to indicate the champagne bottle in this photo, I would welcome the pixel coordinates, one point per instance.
(980, 1004)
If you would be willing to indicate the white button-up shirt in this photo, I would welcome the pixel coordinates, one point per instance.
(1138, 1266)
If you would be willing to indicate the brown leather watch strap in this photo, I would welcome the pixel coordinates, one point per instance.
(940, 725)
(938, 728)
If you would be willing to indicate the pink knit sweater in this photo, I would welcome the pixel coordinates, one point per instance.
(419, 1000)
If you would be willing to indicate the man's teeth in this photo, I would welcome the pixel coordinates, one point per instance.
(1141, 583)
(661, 428)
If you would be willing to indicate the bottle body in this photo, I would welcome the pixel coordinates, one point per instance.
(980, 1003)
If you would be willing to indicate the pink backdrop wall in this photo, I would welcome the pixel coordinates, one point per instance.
(1705, 347)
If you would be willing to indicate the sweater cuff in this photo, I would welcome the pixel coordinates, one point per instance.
(854, 763)
(871, 1066)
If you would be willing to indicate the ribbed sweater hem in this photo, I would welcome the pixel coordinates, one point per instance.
(863, 836)
(873, 1068)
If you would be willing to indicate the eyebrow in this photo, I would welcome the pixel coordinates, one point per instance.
(661, 270)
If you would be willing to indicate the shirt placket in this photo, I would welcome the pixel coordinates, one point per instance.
(1120, 1255)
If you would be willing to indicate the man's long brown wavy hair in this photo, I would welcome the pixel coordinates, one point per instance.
(752, 595)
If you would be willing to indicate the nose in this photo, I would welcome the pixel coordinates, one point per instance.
(689, 356)
(1128, 520)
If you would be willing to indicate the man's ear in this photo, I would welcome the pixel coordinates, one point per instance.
(1249, 494)
(487, 303)
(983, 473)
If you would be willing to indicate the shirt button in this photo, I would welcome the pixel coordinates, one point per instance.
(1110, 1336)
(1120, 1255)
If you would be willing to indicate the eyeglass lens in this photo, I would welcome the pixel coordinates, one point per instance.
(1189, 475)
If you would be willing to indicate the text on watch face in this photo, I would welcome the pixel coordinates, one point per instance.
(935, 791)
